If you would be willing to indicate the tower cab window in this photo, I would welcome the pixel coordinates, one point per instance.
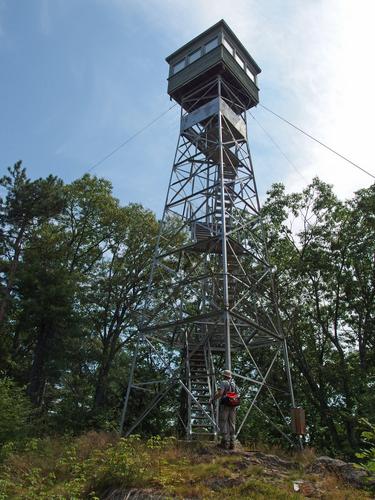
(250, 74)
(210, 45)
(179, 66)
(194, 55)
(228, 46)
(240, 61)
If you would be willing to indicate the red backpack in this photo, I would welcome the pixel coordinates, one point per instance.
(231, 398)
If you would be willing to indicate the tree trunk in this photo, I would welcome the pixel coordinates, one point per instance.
(38, 374)
(12, 273)
(101, 387)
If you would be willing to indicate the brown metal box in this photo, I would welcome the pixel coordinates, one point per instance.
(298, 421)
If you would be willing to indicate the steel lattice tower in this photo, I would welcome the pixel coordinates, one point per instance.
(211, 299)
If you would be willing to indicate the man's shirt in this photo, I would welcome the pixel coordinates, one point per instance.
(228, 386)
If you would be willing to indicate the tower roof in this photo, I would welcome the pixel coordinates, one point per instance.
(221, 24)
(216, 52)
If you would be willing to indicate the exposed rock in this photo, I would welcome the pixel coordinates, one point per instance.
(219, 483)
(134, 494)
(272, 461)
(306, 488)
(350, 473)
(248, 458)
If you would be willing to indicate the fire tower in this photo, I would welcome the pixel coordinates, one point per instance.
(211, 301)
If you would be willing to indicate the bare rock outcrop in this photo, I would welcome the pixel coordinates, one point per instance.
(350, 473)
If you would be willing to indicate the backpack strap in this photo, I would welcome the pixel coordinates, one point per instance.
(232, 386)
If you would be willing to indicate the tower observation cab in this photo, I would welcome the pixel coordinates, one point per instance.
(211, 301)
(216, 51)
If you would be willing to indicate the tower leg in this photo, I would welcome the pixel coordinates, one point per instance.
(288, 374)
(227, 333)
(128, 389)
(290, 385)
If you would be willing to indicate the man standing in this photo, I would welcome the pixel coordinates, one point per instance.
(227, 414)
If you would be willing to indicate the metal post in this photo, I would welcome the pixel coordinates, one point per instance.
(290, 384)
(288, 374)
(128, 389)
(187, 358)
(226, 315)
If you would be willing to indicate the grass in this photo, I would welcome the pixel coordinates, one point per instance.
(96, 463)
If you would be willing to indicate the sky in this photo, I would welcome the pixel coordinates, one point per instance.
(79, 77)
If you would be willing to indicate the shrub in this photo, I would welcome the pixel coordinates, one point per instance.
(369, 453)
(84, 467)
(15, 412)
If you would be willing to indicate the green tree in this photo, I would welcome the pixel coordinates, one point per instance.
(15, 412)
(119, 288)
(23, 206)
(48, 319)
(313, 245)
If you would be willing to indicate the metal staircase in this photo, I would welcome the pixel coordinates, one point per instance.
(202, 386)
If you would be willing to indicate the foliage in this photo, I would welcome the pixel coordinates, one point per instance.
(24, 206)
(79, 468)
(73, 271)
(74, 267)
(96, 465)
(323, 251)
(368, 454)
(15, 413)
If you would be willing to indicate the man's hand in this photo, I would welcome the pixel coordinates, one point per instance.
(218, 395)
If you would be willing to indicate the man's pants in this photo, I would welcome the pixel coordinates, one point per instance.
(227, 423)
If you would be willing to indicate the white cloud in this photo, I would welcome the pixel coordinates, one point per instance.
(339, 105)
(318, 71)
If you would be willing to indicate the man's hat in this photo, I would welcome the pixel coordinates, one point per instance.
(227, 373)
